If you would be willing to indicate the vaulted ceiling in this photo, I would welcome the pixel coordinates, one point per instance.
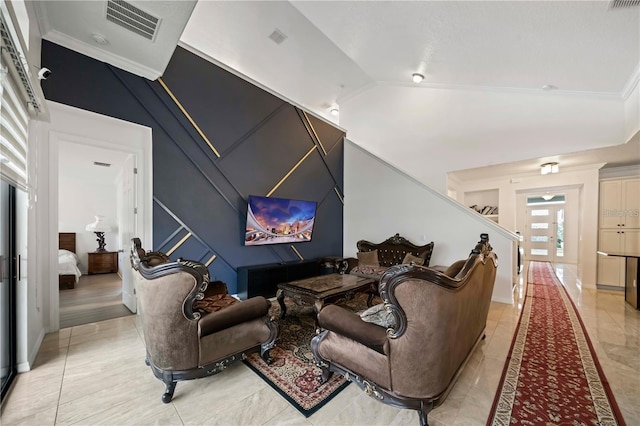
(504, 81)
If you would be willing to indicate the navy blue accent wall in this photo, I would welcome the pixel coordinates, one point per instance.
(259, 137)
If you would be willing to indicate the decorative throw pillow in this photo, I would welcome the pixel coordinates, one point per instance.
(411, 259)
(378, 315)
(368, 258)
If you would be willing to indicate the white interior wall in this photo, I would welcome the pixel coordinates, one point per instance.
(419, 129)
(586, 178)
(381, 201)
(78, 203)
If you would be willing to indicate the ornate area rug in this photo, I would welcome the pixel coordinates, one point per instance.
(293, 372)
(552, 375)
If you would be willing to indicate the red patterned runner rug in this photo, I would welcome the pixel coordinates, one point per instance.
(552, 375)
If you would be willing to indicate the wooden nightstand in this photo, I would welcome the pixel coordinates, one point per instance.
(103, 262)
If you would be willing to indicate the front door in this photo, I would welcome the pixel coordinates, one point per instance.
(544, 239)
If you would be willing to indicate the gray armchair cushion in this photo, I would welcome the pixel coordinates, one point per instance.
(255, 307)
(350, 325)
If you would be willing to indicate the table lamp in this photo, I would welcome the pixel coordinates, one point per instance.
(99, 227)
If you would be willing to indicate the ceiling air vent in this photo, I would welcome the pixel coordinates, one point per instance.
(132, 18)
(97, 163)
(277, 36)
(616, 4)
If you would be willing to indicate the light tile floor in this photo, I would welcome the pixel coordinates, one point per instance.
(94, 374)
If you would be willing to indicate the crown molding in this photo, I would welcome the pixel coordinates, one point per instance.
(102, 55)
(499, 89)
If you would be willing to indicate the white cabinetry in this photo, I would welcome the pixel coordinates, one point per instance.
(620, 204)
(619, 227)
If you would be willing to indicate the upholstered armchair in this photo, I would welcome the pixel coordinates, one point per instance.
(191, 329)
(412, 356)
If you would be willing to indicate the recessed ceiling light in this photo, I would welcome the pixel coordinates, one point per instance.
(334, 111)
(99, 39)
(417, 77)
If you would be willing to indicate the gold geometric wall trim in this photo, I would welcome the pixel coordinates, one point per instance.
(211, 259)
(186, 114)
(314, 133)
(291, 171)
(340, 197)
(178, 244)
(296, 252)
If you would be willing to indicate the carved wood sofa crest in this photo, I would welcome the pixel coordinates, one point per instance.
(375, 258)
(438, 320)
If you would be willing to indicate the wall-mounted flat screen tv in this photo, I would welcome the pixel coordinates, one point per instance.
(278, 220)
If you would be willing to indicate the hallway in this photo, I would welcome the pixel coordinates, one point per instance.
(95, 298)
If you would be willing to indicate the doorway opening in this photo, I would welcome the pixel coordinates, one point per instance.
(544, 238)
(126, 205)
(93, 175)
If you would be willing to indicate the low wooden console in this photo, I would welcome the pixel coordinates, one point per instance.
(263, 280)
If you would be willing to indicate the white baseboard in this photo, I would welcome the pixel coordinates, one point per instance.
(502, 300)
(26, 366)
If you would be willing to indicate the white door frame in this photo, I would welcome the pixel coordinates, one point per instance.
(85, 127)
(551, 233)
(572, 226)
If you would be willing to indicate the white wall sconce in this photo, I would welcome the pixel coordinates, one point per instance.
(547, 168)
(417, 77)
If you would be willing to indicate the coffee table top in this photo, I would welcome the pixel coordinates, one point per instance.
(324, 285)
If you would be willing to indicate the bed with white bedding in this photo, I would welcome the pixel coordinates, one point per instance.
(67, 261)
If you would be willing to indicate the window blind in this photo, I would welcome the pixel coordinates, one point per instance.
(13, 132)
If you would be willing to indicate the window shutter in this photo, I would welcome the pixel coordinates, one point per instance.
(13, 132)
(17, 99)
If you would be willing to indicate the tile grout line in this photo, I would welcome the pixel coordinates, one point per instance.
(64, 369)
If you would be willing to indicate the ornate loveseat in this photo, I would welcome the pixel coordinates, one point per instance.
(437, 320)
(193, 329)
(374, 259)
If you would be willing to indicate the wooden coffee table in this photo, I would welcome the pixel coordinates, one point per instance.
(325, 289)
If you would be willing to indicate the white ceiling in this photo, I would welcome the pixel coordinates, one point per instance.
(575, 46)
(75, 162)
(73, 24)
(484, 63)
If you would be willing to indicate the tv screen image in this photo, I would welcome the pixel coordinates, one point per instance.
(278, 220)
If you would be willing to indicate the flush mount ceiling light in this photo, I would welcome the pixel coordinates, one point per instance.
(547, 168)
(334, 111)
(417, 77)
